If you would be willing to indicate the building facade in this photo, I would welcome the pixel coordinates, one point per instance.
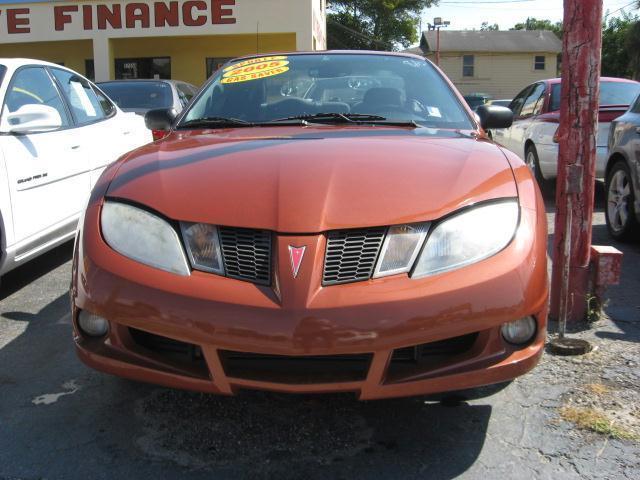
(498, 63)
(184, 40)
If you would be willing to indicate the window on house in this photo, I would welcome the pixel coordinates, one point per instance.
(538, 63)
(467, 65)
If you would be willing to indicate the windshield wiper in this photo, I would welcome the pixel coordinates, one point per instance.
(350, 118)
(331, 116)
(215, 122)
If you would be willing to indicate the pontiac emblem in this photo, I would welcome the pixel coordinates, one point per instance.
(296, 254)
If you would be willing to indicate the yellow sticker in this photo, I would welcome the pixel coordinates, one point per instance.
(254, 60)
(244, 72)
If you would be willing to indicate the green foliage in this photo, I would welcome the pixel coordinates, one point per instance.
(532, 23)
(485, 27)
(621, 46)
(374, 24)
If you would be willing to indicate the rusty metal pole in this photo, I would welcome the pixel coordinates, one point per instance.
(582, 46)
(438, 46)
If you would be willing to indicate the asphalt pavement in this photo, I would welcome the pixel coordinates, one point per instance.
(61, 420)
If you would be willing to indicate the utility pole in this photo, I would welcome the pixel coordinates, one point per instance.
(582, 46)
(437, 24)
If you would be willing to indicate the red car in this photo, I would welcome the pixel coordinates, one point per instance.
(316, 222)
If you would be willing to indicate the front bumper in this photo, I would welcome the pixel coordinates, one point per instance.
(375, 322)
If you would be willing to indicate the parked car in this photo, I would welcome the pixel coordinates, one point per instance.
(474, 100)
(537, 115)
(270, 242)
(57, 133)
(623, 175)
(140, 96)
(502, 102)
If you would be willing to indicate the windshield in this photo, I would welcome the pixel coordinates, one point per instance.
(267, 89)
(139, 95)
(611, 93)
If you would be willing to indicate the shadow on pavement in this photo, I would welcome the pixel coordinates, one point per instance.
(36, 268)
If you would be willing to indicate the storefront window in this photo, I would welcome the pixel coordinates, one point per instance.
(215, 63)
(158, 68)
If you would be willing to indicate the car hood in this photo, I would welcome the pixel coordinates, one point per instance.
(309, 180)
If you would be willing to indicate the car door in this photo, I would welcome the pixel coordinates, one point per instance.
(524, 120)
(99, 121)
(48, 170)
(503, 135)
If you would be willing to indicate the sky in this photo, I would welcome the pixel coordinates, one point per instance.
(467, 15)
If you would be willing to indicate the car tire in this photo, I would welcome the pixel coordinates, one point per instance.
(533, 162)
(619, 211)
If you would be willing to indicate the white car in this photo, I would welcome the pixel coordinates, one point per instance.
(536, 111)
(58, 132)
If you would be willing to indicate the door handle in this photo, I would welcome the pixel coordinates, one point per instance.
(126, 132)
(75, 147)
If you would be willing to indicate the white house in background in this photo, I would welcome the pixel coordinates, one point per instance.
(499, 63)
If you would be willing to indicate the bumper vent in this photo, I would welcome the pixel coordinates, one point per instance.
(296, 369)
(351, 255)
(246, 254)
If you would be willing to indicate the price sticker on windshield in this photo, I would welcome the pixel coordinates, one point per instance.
(255, 69)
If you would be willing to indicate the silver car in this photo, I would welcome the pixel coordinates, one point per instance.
(623, 175)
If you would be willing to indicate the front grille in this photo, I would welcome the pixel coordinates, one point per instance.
(246, 254)
(296, 369)
(351, 255)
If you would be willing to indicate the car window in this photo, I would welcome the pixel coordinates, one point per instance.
(185, 91)
(3, 70)
(611, 93)
(107, 106)
(636, 106)
(264, 89)
(139, 95)
(33, 86)
(518, 101)
(533, 102)
(84, 103)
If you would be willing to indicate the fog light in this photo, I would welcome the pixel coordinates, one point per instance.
(520, 331)
(92, 325)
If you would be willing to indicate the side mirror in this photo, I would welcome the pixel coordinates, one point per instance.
(33, 118)
(492, 116)
(160, 119)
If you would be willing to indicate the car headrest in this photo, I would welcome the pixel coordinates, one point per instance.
(382, 96)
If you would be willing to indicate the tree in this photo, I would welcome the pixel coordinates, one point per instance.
(374, 24)
(633, 47)
(620, 46)
(532, 23)
(485, 27)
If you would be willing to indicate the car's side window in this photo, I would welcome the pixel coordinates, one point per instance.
(518, 101)
(107, 105)
(636, 106)
(84, 102)
(33, 86)
(530, 104)
(185, 94)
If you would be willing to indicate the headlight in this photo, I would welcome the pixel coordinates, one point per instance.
(468, 237)
(144, 237)
(203, 246)
(400, 249)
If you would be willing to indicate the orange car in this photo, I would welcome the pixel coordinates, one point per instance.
(316, 222)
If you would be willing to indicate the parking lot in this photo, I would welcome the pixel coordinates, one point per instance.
(59, 419)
